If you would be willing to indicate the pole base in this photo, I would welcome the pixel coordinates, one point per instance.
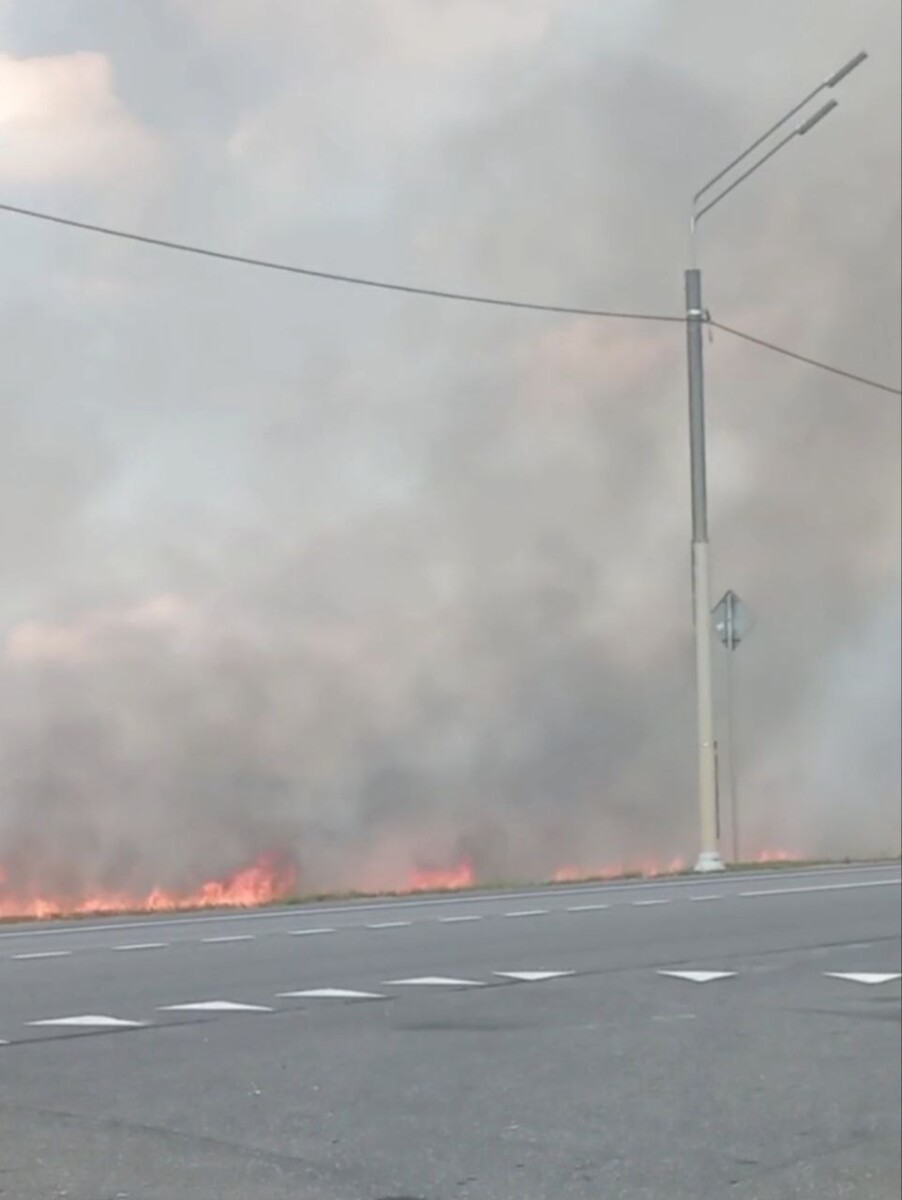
(708, 861)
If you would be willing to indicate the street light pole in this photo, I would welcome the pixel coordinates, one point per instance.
(709, 855)
(709, 858)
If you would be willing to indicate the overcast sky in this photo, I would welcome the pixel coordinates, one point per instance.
(389, 580)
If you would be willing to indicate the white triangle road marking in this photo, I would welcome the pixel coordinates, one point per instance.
(90, 1021)
(533, 976)
(699, 976)
(215, 1006)
(330, 994)
(433, 981)
(867, 977)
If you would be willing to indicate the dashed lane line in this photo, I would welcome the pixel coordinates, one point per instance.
(822, 887)
(464, 918)
(42, 954)
(587, 888)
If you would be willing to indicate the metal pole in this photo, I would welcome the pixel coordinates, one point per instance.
(709, 853)
(731, 741)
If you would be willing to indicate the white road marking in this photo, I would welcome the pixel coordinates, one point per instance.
(533, 976)
(307, 932)
(390, 925)
(649, 903)
(668, 1019)
(699, 976)
(578, 908)
(823, 887)
(90, 1021)
(235, 937)
(458, 920)
(53, 929)
(331, 994)
(215, 1006)
(867, 977)
(529, 912)
(44, 954)
(142, 946)
(433, 981)
(699, 899)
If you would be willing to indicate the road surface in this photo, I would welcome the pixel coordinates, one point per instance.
(695, 1039)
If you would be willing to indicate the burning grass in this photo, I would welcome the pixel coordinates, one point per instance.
(274, 879)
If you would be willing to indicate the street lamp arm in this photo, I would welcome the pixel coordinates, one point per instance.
(816, 118)
(758, 142)
(847, 69)
(742, 178)
(799, 131)
(830, 82)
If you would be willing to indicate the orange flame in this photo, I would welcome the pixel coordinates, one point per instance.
(268, 879)
(647, 868)
(272, 878)
(778, 856)
(449, 880)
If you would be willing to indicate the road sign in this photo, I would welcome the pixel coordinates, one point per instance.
(732, 620)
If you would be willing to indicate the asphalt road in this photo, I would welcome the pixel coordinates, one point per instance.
(546, 1058)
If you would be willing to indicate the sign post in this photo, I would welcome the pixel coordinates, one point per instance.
(732, 623)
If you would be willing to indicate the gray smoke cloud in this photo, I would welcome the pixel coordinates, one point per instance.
(378, 583)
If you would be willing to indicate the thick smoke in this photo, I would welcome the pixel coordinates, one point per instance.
(384, 583)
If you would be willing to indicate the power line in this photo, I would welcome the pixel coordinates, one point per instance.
(435, 293)
(803, 358)
(358, 281)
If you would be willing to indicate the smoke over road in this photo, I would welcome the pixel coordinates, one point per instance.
(379, 586)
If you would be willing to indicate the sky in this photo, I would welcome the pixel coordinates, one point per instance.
(386, 581)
